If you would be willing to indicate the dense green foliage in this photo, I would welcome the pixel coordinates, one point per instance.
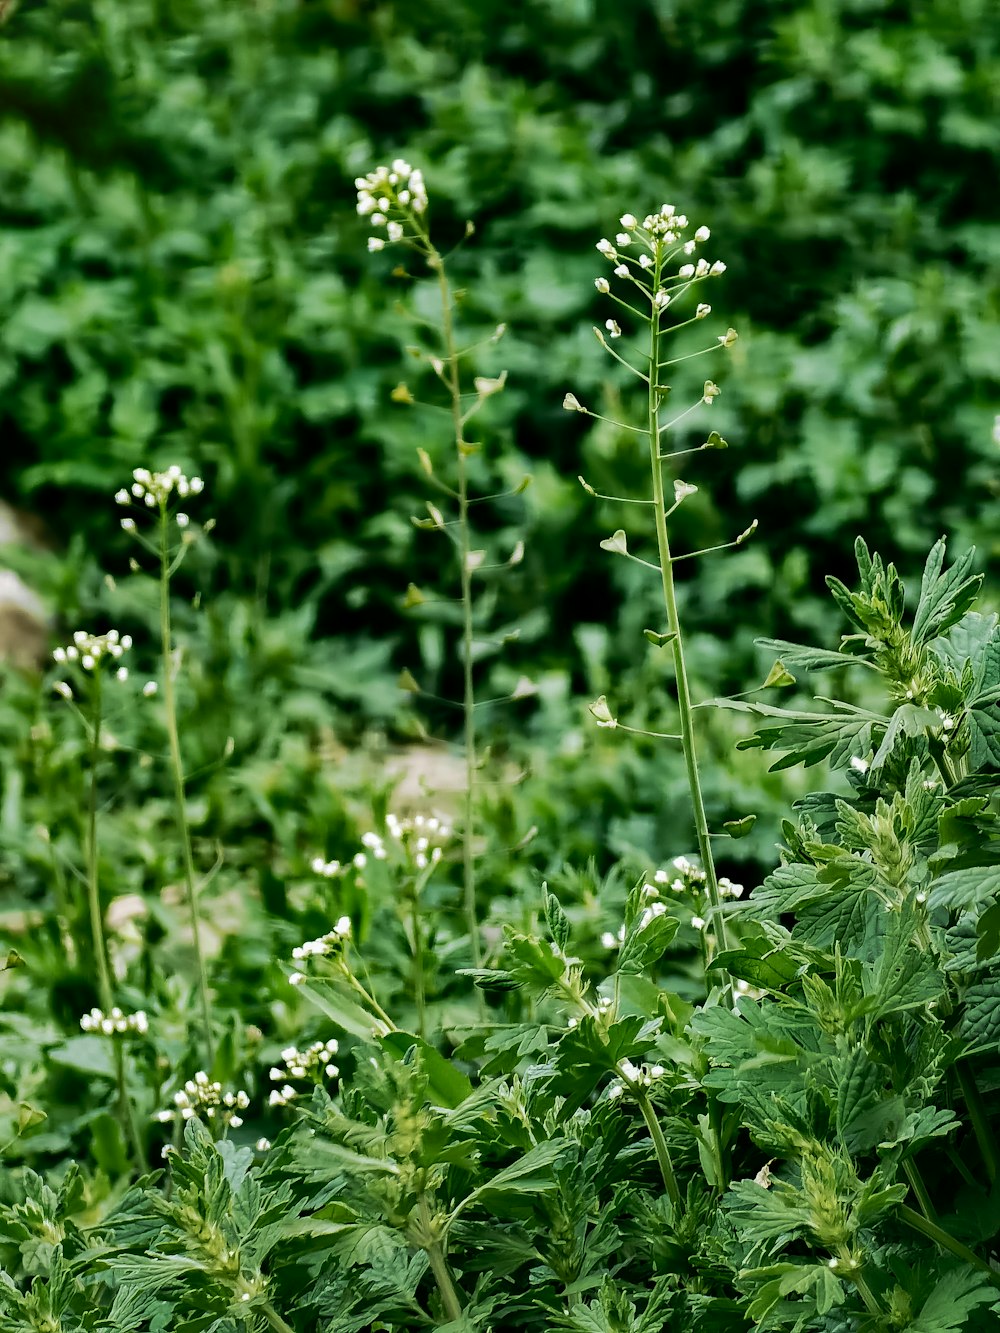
(310, 1021)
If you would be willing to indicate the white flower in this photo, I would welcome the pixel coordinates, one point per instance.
(702, 234)
(686, 271)
(702, 311)
(623, 239)
(375, 243)
(728, 338)
(645, 261)
(122, 497)
(701, 268)
(572, 404)
(858, 764)
(661, 300)
(698, 922)
(128, 525)
(621, 271)
(717, 268)
(121, 674)
(62, 689)
(606, 248)
(604, 287)
(150, 688)
(628, 221)
(613, 328)
(181, 520)
(609, 940)
(395, 231)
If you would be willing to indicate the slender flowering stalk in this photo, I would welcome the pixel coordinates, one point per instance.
(157, 491)
(652, 258)
(394, 200)
(89, 658)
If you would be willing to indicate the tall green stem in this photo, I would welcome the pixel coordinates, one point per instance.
(274, 1319)
(980, 1120)
(176, 764)
(685, 709)
(93, 884)
(418, 961)
(937, 1233)
(126, 1110)
(661, 1150)
(439, 1264)
(453, 383)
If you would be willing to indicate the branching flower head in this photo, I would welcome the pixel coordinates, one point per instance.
(115, 1023)
(93, 653)
(394, 199)
(314, 1064)
(202, 1097)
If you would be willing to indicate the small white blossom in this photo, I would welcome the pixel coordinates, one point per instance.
(150, 688)
(623, 239)
(613, 328)
(698, 922)
(645, 261)
(609, 940)
(686, 271)
(92, 650)
(572, 404)
(628, 221)
(375, 243)
(621, 271)
(702, 311)
(858, 764)
(606, 248)
(602, 285)
(702, 234)
(717, 269)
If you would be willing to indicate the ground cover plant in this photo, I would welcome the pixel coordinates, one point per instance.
(183, 271)
(321, 1062)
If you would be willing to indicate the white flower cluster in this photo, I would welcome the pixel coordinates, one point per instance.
(325, 944)
(313, 1063)
(115, 1023)
(90, 650)
(657, 238)
(397, 189)
(642, 1075)
(155, 488)
(331, 942)
(200, 1096)
(420, 840)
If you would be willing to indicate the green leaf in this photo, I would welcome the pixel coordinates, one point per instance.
(531, 1174)
(945, 596)
(979, 1025)
(951, 1302)
(557, 922)
(763, 966)
(330, 998)
(800, 658)
(984, 739)
(446, 1085)
(645, 944)
(87, 1054)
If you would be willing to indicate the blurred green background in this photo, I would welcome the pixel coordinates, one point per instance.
(183, 279)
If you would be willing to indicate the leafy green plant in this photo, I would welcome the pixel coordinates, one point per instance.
(671, 1106)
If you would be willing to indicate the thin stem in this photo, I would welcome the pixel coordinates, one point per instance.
(126, 1107)
(274, 1319)
(176, 764)
(686, 711)
(933, 1231)
(418, 961)
(864, 1291)
(126, 1110)
(919, 1188)
(661, 1150)
(439, 1265)
(453, 383)
(93, 884)
(977, 1114)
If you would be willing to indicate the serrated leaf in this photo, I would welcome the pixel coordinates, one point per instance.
(801, 658)
(645, 945)
(557, 922)
(984, 739)
(945, 596)
(949, 1305)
